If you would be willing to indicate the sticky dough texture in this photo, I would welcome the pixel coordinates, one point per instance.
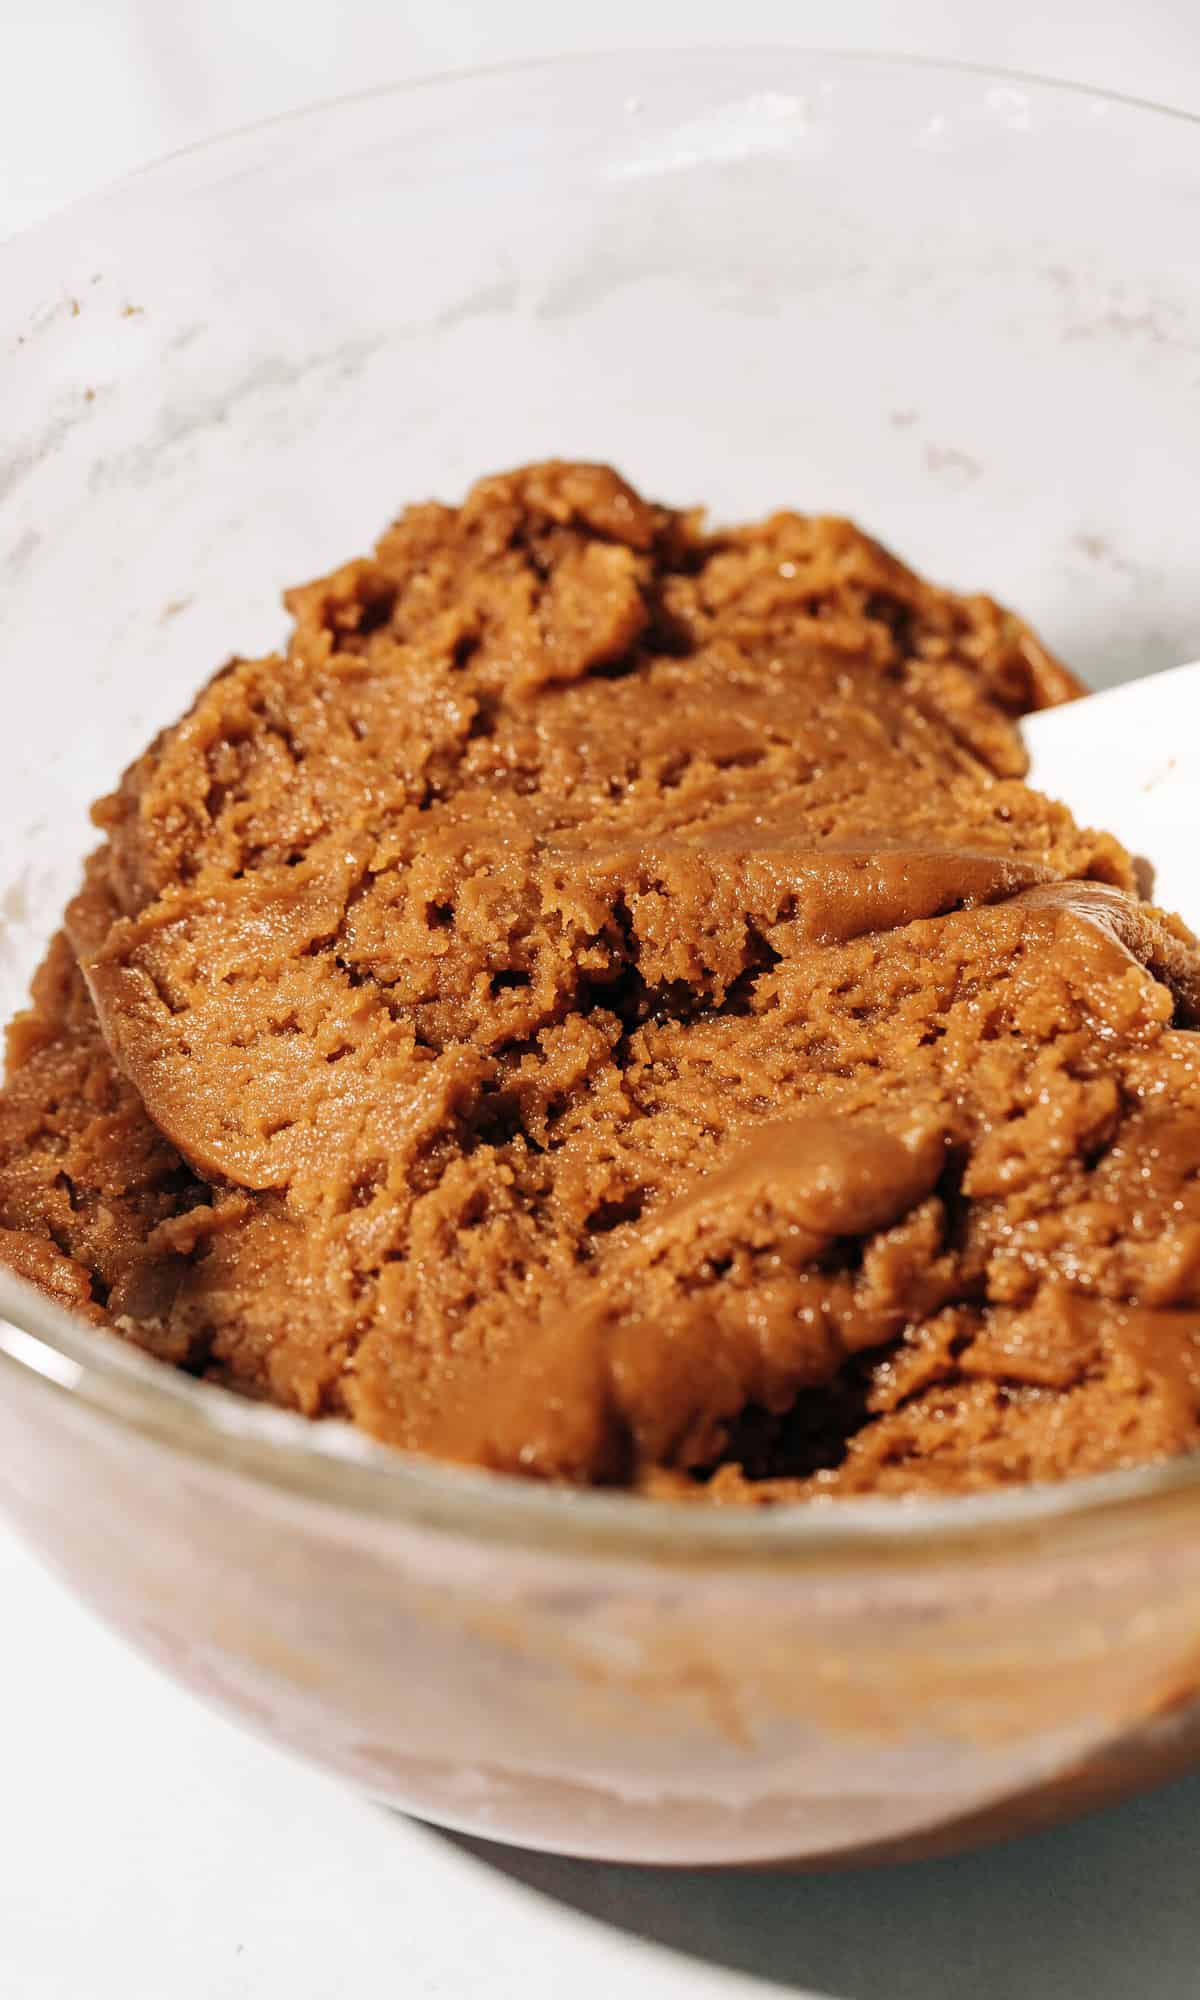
(603, 1004)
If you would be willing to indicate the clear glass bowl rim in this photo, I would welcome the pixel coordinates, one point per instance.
(330, 1463)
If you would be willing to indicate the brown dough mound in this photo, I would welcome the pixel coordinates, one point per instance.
(603, 1004)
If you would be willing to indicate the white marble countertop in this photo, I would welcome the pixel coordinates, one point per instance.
(149, 1849)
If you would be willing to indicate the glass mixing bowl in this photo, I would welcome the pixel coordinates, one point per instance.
(962, 307)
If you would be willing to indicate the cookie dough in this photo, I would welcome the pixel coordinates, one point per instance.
(602, 1004)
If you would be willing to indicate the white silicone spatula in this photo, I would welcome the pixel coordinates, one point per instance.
(1128, 760)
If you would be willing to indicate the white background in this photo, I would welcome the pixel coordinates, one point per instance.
(149, 1850)
(89, 88)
